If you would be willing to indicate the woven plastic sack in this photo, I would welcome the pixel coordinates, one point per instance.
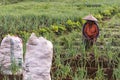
(38, 59)
(11, 55)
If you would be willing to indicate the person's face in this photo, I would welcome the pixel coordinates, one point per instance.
(90, 22)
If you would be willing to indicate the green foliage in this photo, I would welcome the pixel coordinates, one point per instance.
(99, 74)
(81, 74)
(99, 16)
(10, 1)
(116, 73)
(42, 31)
(58, 29)
(14, 68)
(71, 25)
(106, 13)
(24, 35)
(55, 28)
(50, 18)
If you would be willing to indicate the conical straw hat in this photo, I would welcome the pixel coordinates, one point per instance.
(90, 17)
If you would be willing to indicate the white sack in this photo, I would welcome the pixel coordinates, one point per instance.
(38, 59)
(7, 59)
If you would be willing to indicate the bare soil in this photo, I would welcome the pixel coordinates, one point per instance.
(11, 77)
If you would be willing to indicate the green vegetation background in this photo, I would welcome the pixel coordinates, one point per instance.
(61, 22)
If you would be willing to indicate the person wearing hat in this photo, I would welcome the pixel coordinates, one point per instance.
(90, 31)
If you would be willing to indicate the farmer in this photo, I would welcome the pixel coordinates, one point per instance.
(90, 31)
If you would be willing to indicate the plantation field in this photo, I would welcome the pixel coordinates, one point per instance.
(60, 21)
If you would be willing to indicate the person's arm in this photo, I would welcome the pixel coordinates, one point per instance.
(85, 31)
(96, 32)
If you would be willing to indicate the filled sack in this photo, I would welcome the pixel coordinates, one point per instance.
(38, 58)
(11, 55)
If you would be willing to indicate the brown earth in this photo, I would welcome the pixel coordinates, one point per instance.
(11, 77)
